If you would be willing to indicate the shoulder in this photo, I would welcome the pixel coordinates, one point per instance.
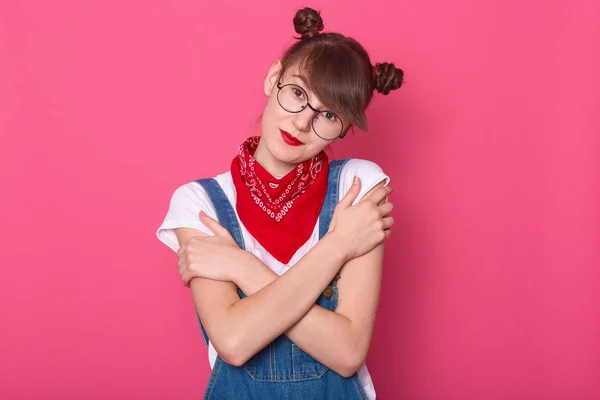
(186, 202)
(370, 175)
(193, 193)
(365, 168)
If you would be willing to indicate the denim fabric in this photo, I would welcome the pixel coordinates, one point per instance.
(281, 370)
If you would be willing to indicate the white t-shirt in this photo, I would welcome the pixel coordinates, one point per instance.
(189, 199)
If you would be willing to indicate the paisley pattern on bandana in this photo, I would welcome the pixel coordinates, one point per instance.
(281, 214)
(276, 203)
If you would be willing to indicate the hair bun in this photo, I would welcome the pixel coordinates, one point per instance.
(308, 23)
(387, 77)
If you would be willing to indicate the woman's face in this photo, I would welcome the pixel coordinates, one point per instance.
(289, 137)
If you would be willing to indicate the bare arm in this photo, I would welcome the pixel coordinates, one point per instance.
(339, 340)
(241, 328)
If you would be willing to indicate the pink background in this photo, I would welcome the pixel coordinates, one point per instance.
(491, 283)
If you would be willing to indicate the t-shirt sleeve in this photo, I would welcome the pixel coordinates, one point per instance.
(185, 205)
(370, 175)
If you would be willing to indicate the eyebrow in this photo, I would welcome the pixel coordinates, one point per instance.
(323, 107)
(301, 77)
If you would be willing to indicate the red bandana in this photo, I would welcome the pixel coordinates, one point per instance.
(281, 214)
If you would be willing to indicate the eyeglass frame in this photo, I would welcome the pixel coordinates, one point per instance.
(317, 111)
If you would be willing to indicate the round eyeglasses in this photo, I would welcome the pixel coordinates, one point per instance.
(326, 124)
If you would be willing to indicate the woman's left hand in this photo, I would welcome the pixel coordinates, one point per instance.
(211, 257)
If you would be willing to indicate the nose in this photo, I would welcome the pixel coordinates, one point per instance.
(303, 120)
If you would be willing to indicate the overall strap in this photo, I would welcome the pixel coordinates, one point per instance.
(225, 212)
(331, 198)
(226, 217)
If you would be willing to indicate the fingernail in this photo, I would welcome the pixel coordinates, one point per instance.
(355, 181)
(203, 213)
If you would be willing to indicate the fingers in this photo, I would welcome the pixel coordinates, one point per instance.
(379, 195)
(181, 256)
(385, 209)
(185, 273)
(352, 194)
(186, 245)
(212, 224)
(186, 278)
(387, 223)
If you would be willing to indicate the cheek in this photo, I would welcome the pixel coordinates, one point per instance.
(315, 146)
(271, 113)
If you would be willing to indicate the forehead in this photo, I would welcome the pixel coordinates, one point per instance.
(296, 76)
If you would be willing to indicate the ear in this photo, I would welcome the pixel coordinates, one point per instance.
(272, 77)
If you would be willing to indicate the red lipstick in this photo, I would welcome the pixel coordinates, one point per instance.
(289, 139)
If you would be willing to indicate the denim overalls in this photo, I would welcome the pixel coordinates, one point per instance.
(281, 370)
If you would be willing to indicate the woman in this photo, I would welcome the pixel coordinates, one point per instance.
(273, 331)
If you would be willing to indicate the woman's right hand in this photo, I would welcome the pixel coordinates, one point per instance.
(361, 227)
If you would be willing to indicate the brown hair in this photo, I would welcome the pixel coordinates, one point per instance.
(338, 68)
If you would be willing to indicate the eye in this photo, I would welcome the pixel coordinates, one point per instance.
(298, 92)
(330, 116)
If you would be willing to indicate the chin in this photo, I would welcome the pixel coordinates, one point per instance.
(283, 152)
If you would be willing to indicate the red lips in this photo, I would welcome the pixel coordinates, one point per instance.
(289, 139)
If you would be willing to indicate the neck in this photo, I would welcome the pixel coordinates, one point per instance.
(270, 163)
